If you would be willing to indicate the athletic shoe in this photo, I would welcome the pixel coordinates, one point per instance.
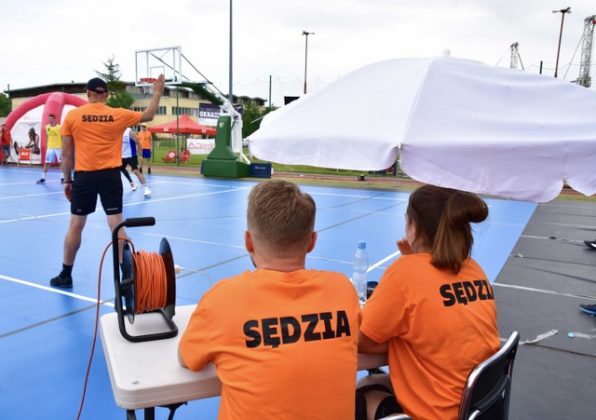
(62, 180)
(591, 244)
(589, 309)
(147, 192)
(133, 186)
(41, 181)
(59, 281)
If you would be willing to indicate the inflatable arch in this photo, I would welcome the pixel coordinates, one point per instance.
(54, 104)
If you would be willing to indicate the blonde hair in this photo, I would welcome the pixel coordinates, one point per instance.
(442, 217)
(281, 216)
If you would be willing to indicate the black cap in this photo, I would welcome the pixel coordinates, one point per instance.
(97, 85)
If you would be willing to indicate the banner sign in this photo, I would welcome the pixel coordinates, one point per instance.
(200, 146)
(209, 113)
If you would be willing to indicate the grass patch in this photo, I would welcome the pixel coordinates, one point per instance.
(163, 146)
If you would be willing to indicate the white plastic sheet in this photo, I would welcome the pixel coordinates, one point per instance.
(457, 123)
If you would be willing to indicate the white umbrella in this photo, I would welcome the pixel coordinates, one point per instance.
(457, 123)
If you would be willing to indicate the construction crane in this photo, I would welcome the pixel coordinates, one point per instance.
(586, 54)
(515, 57)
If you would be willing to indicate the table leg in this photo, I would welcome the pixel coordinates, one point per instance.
(150, 413)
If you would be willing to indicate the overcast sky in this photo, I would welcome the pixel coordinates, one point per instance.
(44, 42)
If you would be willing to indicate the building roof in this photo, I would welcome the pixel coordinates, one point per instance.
(27, 92)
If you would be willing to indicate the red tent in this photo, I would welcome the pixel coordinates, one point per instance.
(185, 126)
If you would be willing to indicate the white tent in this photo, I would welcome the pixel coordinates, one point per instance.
(457, 123)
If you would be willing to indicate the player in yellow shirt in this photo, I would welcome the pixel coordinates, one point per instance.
(53, 147)
(283, 338)
(433, 313)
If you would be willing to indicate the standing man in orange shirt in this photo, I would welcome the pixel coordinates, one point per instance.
(283, 338)
(92, 143)
(145, 139)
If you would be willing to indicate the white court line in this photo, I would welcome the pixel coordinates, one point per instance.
(384, 260)
(372, 197)
(547, 292)
(54, 290)
(194, 184)
(41, 216)
(152, 200)
(12, 197)
(145, 201)
(198, 241)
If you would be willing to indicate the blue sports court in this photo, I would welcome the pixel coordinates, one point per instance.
(46, 333)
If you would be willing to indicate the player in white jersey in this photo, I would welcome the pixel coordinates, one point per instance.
(129, 158)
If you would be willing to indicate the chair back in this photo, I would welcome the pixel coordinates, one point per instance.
(487, 390)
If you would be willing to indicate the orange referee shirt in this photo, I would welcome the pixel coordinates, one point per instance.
(284, 344)
(438, 326)
(145, 139)
(97, 131)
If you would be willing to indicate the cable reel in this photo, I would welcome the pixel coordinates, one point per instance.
(135, 280)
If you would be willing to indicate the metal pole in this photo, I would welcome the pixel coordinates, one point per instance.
(306, 34)
(270, 106)
(177, 126)
(562, 11)
(230, 70)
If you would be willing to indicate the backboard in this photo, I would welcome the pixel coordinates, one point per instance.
(150, 63)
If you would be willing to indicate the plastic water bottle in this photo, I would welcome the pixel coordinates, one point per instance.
(359, 278)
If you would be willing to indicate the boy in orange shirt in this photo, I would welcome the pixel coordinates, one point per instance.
(283, 338)
(92, 140)
(145, 138)
(434, 312)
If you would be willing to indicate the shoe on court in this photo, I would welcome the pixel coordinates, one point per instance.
(589, 309)
(41, 181)
(133, 186)
(591, 244)
(60, 281)
(147, 192)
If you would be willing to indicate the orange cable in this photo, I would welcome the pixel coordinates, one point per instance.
(151, 291)
(151, 285)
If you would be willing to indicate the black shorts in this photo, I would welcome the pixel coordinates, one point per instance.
(133, 162)
(387, 406)
(86, 187)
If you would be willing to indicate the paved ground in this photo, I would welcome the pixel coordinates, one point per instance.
(549, 273)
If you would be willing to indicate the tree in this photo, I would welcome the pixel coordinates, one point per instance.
(252, 116)
(119, 97)
(5, 105)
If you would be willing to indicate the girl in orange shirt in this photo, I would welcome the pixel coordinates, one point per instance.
(433, 313)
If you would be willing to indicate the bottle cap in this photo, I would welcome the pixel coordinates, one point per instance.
(361, 244)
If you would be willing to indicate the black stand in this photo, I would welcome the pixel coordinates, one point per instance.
(149, 413)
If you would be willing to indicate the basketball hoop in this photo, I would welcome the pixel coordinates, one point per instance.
(146, 84)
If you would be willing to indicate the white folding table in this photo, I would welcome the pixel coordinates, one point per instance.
(147, 374)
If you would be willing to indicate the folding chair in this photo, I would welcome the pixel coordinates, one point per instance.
(488, 388)
(170, 157)
(185, 156)
(24, 156)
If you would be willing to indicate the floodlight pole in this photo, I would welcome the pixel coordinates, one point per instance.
(230, 97)
(562, 12)
(306, 34)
